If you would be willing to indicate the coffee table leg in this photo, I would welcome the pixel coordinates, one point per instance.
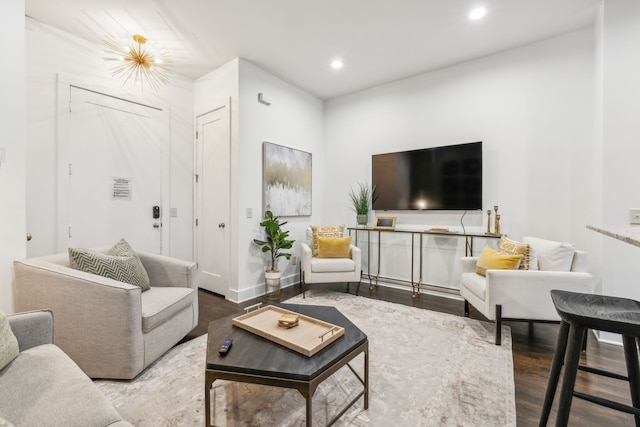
(208, 382)
(309, 397)
(366, 377)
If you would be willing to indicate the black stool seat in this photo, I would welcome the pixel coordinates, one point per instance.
(578, 313)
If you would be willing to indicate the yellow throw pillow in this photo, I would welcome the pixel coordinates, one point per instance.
(334, 247)
(324, 231)
(511, 247)
(494, 260)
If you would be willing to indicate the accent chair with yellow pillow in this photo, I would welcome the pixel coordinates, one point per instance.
(329, 257)
(500, 288)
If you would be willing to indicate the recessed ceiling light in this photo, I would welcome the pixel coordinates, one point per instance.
(477, 13)
(336, 64)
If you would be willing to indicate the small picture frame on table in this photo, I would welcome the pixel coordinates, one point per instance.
(384, 223)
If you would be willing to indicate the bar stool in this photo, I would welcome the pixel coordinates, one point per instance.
(578, 313)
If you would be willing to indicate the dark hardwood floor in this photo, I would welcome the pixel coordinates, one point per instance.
(533, 347)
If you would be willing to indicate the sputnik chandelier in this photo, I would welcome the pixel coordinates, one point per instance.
(137, 60)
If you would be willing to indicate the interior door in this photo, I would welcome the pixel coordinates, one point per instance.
(212, 195)
(114, 168)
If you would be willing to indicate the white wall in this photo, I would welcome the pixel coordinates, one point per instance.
(621, 141)
(294, 119)
(12, 140)
(533, 109)
(51, 53)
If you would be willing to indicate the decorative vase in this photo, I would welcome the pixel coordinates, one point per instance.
(361, 219)
(272, 284)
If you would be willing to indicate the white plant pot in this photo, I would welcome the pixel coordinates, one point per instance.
(272, 284)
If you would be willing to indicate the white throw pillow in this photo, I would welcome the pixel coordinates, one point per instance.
(548, 255)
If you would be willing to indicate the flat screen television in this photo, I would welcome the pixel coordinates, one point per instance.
(438, 178)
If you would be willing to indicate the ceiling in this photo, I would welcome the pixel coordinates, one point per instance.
(380, 41)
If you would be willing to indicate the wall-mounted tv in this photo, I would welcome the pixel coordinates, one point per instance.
(438, 178)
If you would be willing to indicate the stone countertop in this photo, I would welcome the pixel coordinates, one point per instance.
(626, 233)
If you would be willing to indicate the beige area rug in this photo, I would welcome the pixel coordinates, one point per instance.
(426, 369)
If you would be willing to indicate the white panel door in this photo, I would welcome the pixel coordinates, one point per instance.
(212, 199)
(114, 168)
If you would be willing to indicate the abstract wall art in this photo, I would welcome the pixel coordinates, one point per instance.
(286, 180)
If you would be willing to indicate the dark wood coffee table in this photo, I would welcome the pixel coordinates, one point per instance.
(253, 359)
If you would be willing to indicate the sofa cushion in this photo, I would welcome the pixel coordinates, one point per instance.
(511, 247)
(475, 283)
(159, 304)
(324, 231)
(334, 247)
(493, 260)
(8, 342)
(333, 265)
(43, 386)
(123, 268)
(548, 255)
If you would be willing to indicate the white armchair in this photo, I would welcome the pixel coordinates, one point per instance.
(522, 295)
(329, 270)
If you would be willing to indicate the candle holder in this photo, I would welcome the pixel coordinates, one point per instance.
(489, 221)
(497, 230)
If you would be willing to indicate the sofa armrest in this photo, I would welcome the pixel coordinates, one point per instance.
(356, 256)
(169, 272)
(526, 293)
(305, 258)
(469, 264)
(93, 314)
(32, 328)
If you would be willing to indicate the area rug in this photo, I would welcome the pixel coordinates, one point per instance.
(426, 369)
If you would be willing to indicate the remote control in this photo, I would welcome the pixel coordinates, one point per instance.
(224, 348)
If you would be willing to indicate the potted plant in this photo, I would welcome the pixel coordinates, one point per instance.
(277, 241)
(362, 197)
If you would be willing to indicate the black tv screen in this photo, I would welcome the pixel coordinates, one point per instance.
(439, 178)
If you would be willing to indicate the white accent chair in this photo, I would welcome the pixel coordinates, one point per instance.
(328, 270)
(520, 295)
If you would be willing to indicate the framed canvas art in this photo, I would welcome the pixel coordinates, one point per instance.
(286, 180)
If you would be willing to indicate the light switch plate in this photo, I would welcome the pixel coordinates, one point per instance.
(249, 213)
(634, 215)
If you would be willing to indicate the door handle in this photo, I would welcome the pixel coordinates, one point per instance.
(221, 225)
(156, 225)
(29, 237)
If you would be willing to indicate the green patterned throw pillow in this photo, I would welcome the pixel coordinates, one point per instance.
(122, 248)
(120, 263)
(8, 342)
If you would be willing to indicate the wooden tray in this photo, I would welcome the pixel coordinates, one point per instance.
(309, 337)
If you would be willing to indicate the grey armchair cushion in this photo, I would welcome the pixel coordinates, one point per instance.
(8, 342)
(44, 387)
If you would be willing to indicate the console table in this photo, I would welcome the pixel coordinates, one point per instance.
(415, 285)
